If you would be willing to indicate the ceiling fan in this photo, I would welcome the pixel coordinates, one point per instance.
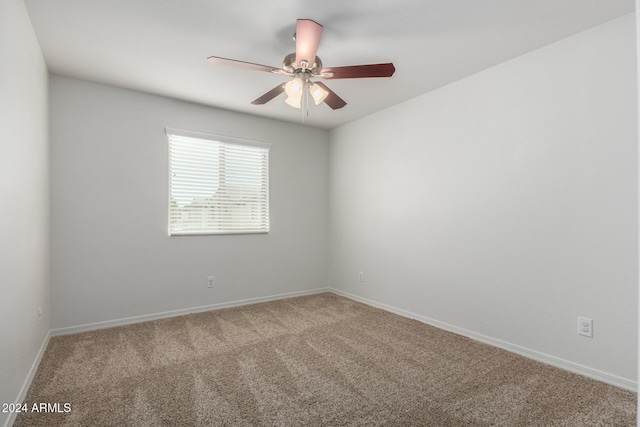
(303, 65)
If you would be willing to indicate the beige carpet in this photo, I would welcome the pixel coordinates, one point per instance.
(316, 360)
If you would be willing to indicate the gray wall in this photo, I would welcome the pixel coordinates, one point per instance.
(638, 141)
(111, 256)
(505, 204)
(24, 201)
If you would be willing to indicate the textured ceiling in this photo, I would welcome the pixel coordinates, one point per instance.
(161, 46)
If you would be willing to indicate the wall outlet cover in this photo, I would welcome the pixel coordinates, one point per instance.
(585, 327)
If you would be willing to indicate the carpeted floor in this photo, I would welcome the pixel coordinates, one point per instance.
(315, 360)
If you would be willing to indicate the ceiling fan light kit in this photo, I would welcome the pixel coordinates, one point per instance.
(303, 65)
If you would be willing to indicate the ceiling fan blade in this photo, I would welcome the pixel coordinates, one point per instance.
(308, 34)
(359, 71)
(269, 95)
(332, 100)
(239, 64)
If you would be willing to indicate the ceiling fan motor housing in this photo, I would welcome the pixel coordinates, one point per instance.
(290, 65)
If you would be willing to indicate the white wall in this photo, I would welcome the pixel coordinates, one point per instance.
(111, 256)
(504, 204)
(24, 201)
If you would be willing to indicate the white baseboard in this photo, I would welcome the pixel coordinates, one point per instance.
(27, 382)
(155, 316)
(586, 371)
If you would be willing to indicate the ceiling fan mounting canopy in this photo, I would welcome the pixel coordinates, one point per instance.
(304, 64)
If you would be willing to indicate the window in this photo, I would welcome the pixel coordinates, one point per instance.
(217, 185)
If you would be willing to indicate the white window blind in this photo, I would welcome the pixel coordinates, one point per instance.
(217, 185)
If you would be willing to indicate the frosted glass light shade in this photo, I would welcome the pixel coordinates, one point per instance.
(317, 93)
(293, 88)
(293, 101)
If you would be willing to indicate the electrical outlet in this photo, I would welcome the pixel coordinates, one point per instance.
(39, 314)
(210, 283)
(360, 276)
(585, 327)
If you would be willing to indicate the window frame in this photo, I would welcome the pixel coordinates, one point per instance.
(221, 139)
